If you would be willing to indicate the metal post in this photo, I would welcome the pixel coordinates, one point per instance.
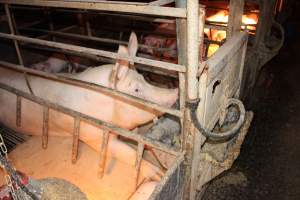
(103, 153)
(75, 139)
(236, 9)
(18, 110)
(138, 162)
(45, 127)
(198, 139)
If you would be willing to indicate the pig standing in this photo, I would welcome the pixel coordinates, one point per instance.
(58, 63)
(102, 106)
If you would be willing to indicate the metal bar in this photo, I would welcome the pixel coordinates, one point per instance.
(181, 31)
(93, 38)
(103, 153)
(161, 2)
(147, 105)
(75, 139)
(104, 125)
(105, 6)
(236, 10)
(45, 127)
(74, 48)
(192, 48)
(88, 25)
(130, 16)
(12, 31)
(138, 162)
(18, 111)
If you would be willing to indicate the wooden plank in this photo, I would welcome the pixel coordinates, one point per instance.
(96, 52)
(105, 6)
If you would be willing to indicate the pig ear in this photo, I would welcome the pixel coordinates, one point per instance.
(133, 44)
(122, 65)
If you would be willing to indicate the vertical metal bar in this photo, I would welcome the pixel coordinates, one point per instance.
(12, 31)
(198, 138)
(192, 48)
(138, 162)
(75, 139)
(192, 85)
(201, 34)
(13, 19)
(81, 23)
(103, 153)
(181, 33)
(236, 9)
(18, 111)
(45, 127)
(51, 24)
(88, 25)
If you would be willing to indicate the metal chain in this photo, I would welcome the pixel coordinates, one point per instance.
(11, 187)
(3, 148)
(13, 180)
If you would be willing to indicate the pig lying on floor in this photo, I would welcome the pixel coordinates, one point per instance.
(99, 105)
(58, 63)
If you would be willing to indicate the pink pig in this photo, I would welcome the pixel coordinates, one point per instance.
(58, 63)
(103, 106)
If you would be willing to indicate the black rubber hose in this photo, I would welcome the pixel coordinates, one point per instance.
(224, 136)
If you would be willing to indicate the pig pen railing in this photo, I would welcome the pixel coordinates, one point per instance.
(190, 20)
(140, 139)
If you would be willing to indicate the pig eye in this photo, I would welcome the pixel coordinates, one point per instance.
(136, 90)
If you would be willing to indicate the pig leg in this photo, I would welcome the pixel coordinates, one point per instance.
(93, 136)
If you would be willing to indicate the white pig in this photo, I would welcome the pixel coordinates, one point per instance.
(102, 106)
(57, 63)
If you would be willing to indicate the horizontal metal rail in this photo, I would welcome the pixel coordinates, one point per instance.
(105, 6)
(92, 38)
(134, 100)
(110, 127)
(96, 52)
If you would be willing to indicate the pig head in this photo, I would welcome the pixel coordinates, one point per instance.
(58, 63)
(103, 106)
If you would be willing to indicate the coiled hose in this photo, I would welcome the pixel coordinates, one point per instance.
(224, 136)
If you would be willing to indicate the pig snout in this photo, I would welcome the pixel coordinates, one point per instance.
(164, 97)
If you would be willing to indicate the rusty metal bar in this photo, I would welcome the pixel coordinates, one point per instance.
(140, 8)
(138, 162)
(18, 110)
(103, 153)
(45, 127)
(93, 38)
(75, 139)
(99, 123)
(96, 52)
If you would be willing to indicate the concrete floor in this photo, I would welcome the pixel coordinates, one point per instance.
(269, 164)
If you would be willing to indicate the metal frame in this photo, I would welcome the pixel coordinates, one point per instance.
(189, 17)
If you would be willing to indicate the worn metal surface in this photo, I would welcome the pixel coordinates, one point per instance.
(171, 185)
